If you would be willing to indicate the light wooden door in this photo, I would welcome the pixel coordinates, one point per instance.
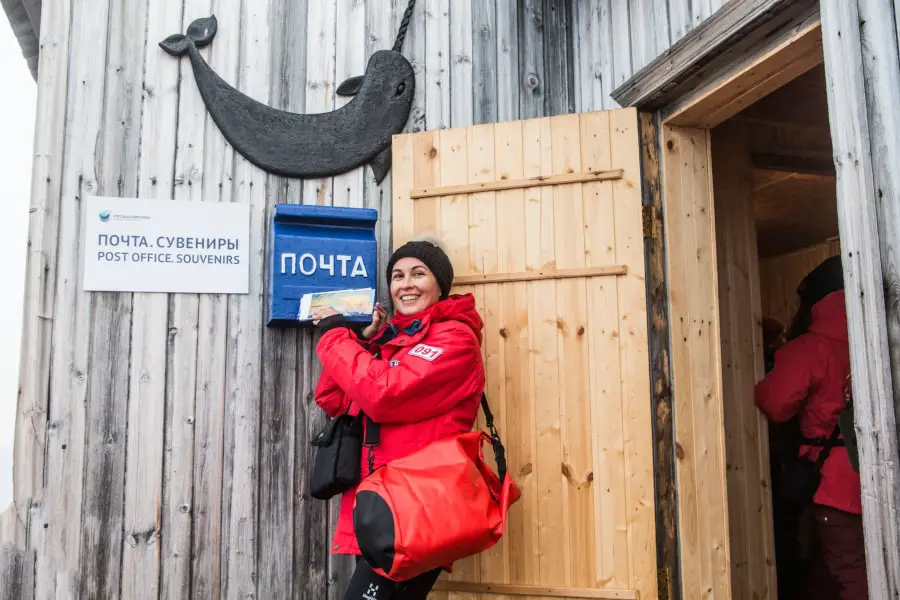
(542, 220)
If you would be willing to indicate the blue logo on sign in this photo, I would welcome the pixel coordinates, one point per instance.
(104, 216)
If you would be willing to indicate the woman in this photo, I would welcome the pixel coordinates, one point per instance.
(808, 381)
(420, 377)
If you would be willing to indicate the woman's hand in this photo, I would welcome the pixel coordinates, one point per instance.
(379, 318)
(323, 313)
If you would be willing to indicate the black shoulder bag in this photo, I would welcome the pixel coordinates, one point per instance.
(338, 455)
(338, 451)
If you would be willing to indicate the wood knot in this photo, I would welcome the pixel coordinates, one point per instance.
(526, 469)
(504, 333)
(567, 473)
(581, 330)
(679, 451)
(670, 145)
(433, 152)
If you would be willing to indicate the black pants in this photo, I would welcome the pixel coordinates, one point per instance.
(369, 585)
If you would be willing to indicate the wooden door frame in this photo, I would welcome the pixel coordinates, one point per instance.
(658, 336)
(746, 50)
(862, 84)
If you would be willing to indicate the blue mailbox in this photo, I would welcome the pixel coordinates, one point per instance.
(318, 249)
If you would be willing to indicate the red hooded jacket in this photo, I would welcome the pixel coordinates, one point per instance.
(809, 377)
(426, 385)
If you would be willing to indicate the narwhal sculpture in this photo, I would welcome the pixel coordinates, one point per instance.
(309, 145)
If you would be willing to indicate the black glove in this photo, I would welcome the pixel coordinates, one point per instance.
(332, 322)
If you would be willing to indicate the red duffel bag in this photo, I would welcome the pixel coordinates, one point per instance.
(435, 506)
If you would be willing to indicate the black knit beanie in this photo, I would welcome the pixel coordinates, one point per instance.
(434, 258)
(826, 278)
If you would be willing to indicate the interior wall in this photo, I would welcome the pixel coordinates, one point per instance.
(746, 431)
(780, 276)
(697, 385)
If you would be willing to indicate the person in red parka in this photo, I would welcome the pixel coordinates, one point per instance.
(419, 377)
(808, 381)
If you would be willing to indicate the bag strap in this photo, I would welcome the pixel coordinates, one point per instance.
(496, 444)
(373, 429)
(821, 441)
(372, 439)
(828, 445)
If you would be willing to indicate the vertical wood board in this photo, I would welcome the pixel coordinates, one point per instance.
(860, 130)
(171, 432)
(746, 432)
(696, 364)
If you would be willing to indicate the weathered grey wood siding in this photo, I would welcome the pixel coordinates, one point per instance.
(861, 42)
(162, 441)
(613, 39)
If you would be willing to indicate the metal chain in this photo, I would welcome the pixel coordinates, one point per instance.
(404, 25)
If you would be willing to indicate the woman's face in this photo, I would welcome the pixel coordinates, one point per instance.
(413, 286)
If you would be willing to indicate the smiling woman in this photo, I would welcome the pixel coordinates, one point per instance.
(417, 379)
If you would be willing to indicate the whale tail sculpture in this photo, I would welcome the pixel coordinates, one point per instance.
(201, 32)
(309, 145)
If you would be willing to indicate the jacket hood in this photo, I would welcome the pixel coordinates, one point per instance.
(829, 317)
(456, 307)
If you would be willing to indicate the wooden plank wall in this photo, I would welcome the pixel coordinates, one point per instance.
(780, 276)
(746, 433)
(16, 573)
(703, 523)
(172, 431)
(162, 441)
(613, 39)
(862, 71)
(567, 360)
(16, 563)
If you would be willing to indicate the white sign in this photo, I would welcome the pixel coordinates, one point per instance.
(133, 245)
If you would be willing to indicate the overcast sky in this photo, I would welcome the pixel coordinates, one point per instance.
(16, 144)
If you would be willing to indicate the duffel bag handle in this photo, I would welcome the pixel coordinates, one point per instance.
(496, 444)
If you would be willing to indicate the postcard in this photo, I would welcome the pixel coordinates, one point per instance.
(350, 303)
